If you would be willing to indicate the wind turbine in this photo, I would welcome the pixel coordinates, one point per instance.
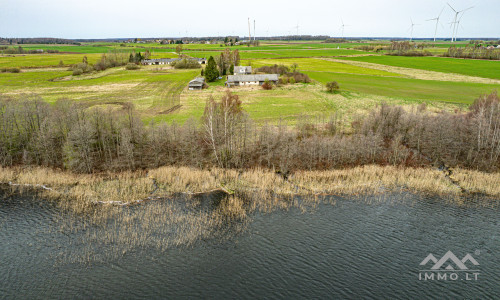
(437, 22)
(342, 27)
(455, 22)
(254, 30)
(458, 22)
(411, 28)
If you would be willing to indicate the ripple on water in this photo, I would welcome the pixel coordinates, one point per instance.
(348, 250)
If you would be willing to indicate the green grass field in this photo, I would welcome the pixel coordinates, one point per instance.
(154, 90)
(479, 68)
(319, 65)
(407, 88)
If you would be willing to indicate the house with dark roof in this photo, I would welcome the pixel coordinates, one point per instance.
(197, 83)
(257, 79)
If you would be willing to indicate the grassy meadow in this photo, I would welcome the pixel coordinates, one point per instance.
(366, 79)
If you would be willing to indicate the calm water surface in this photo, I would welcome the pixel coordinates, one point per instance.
(348, 250)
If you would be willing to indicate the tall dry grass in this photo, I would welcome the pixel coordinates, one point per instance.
(259, 189)
(170, 213)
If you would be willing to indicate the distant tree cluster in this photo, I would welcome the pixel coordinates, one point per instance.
(186, 63)
(288, 74)
(298, 38)
(227, 60)
(373, 48)
(406, 48)
(71, 136)
(109, 60)
(335, 40)
(231, 40)
(136, 58)
(273, 69)
(21, 50)
(13, 41)
(474, 51)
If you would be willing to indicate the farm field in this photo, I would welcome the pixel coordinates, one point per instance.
(480, 68)
(45, 60)
(151, 90)
(160, 93)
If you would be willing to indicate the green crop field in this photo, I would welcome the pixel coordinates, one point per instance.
(406, 88)
(44, 60)
(160, 92)
(479, 68)
(320, 65)
(282, 53)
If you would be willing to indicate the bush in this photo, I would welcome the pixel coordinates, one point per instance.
(77, 72)
(332, 86)
(10, 70)
(275, 69)
(267, 85)
(295, 77)
(131, 66)
(81, 68)
(186, 63)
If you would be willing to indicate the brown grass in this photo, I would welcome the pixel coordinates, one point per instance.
(478, 182)
(261, 189)
(164, 219)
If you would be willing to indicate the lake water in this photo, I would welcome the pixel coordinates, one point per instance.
(348, 250)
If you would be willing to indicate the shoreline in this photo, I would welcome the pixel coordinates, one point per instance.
(260, 188)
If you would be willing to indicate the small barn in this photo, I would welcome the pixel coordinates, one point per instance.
(197, 83)
(242, 70)
(243, 80)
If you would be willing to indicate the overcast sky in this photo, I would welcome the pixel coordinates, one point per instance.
(167, 18)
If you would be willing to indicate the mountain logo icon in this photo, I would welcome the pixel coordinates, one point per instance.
(449, 259)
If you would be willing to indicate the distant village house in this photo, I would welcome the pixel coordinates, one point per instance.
(242, 70)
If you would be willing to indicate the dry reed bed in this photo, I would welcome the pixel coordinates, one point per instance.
(261, 189)
(181, 221)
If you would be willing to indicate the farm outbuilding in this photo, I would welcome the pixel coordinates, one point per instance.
(197, 83)
(168, 61)
(242, 80)
(159, 61)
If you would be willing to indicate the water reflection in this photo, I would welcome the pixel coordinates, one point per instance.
(368, 248)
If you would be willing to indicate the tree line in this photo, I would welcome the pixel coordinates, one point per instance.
(75, 136)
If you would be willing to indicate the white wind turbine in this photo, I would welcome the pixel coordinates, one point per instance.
(411, 29)
(456, 22)
(437, 22)
(342, 27)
